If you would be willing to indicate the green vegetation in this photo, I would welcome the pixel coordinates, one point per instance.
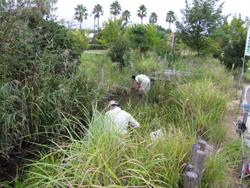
(234, 44)
(36, 60)
(184, 110)
(108, 160)
(200, 20)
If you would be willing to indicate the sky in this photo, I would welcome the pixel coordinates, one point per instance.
(66, 8)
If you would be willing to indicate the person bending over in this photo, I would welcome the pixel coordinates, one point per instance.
(142, 83)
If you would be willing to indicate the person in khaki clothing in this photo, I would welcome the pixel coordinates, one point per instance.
(118, 119)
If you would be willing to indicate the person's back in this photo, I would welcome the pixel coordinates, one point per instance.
(143, 81)
(119, 120)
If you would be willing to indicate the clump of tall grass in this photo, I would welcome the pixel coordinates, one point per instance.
(212, 69)
(106, 159)
(34, 114)
(147, 65)
(201, 105)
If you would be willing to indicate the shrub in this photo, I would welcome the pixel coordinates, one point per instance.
(119, 51)
(111, 32)
(79, 41)
(114, 36)
(138, 38)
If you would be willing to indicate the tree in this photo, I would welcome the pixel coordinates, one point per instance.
(153, 18)
(126, 16)
(148, 37)
(98, 12)
(199, 22)
(115, 9)
(43, 8)
(170, 18)
(232, 41)
(142, 12)
(80, 14)
(111, 31)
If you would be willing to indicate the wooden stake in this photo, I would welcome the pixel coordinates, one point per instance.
(202, 144)
(199, 163)
(190, 180)
(195, 148)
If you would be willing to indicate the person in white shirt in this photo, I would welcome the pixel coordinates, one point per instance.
(118, 119)
(142, 83)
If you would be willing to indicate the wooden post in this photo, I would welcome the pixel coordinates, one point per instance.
(202, 144)
(199, 163)
(189, 167)
(190, 180)
(193, 174)
(195, 148)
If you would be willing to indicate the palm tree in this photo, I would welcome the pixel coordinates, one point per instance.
(170, 18)
(142, 12)
(98, 12)
(115, 9)
(126, 16)
(153, 18)
(80, 14)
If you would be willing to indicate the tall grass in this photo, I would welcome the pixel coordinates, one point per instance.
(202, 106)
(105, 159)
(36, 113)
(98, 68)
(147, 65)
(212, 69)
(222, 169)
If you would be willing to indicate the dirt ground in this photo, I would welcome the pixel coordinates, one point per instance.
(232, 115)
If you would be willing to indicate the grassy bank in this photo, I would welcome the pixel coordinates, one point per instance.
(186, 109)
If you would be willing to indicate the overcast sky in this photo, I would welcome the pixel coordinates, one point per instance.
(65, 9)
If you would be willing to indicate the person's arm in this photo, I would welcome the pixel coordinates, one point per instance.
(134, 124)
(138, 86)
